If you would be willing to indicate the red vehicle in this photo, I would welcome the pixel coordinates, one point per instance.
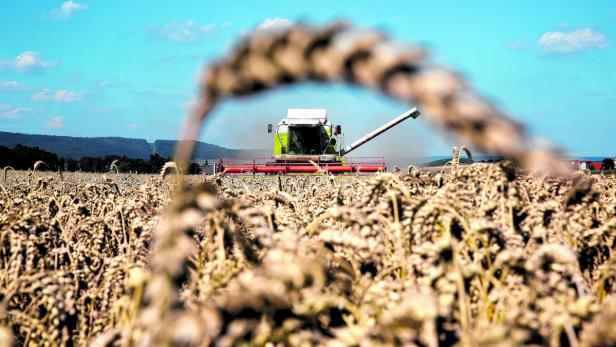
(306, 142)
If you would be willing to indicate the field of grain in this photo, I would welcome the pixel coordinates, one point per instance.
(480, 255)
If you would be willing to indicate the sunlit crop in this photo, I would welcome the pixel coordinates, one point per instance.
(479, 255)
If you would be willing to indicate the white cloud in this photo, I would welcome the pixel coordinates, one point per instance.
(9, 112)
(65, 95)
(62, 95)
(517, 45)
(186, 32)
(273, 24)
(9, 84)
(43, 95)
(571, 42)
(132, 125)
(56, 123)
(67, 9)
(27, 61)
(112, 83)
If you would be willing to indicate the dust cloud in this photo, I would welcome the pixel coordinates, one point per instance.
(410, 142)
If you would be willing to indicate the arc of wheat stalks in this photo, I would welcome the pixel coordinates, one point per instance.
(341, 52)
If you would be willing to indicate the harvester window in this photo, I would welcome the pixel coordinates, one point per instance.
(305, 140)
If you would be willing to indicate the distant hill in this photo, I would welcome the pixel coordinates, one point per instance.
(165, 148)
(69, 147)
(203, 150)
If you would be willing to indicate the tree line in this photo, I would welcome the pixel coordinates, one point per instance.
(23, 158)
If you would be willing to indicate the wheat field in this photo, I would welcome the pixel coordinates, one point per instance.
(478, 255)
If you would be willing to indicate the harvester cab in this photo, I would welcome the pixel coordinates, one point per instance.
(305, 134)
(307, 142)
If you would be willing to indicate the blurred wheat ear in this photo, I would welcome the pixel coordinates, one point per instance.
(340, 52)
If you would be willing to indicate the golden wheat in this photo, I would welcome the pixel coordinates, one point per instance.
(483, 255)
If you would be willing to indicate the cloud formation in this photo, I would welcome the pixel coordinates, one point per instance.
(9, 84)
(571, 42)
(56, 123)
(184, 32)
(67, 9)
(9, 112)
(27, 61)
(273, 24)
(62, 95)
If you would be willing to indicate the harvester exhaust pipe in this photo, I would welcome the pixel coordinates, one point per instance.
(378, 131)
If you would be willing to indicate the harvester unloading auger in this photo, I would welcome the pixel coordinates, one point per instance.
(307, 142)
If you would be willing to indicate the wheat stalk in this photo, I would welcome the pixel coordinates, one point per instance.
(114, 166)
(339, 51)
(38, 164)
(6, 169)
(164, 171)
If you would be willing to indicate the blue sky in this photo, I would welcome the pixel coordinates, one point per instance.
(127, 68)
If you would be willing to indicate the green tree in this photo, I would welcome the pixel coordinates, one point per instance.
(194, 169)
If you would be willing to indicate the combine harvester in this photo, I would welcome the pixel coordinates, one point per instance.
(306, 142)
